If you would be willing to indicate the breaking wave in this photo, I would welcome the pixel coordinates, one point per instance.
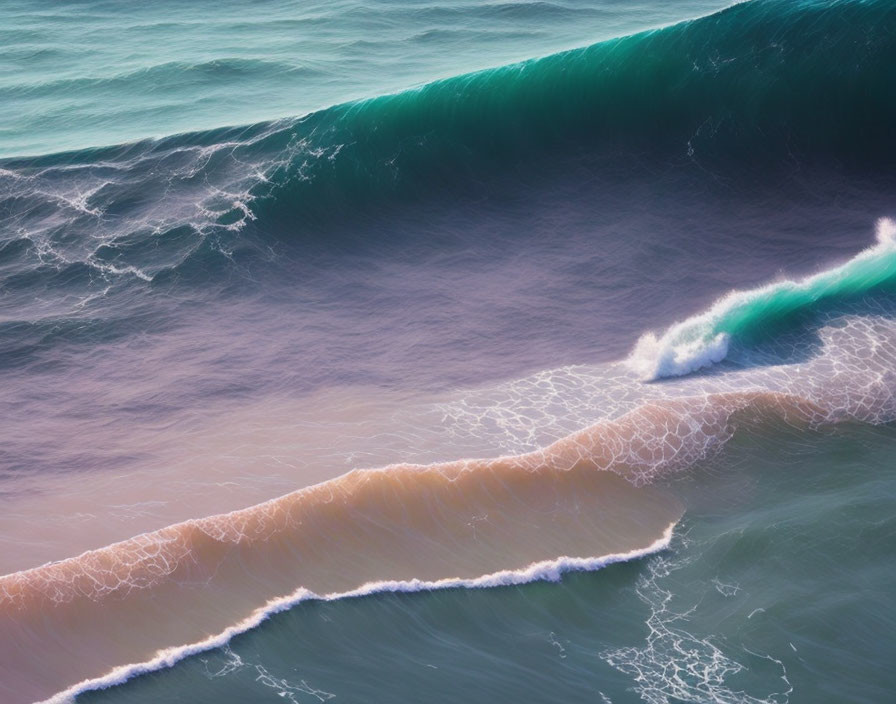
(704, 339)
(715, 92)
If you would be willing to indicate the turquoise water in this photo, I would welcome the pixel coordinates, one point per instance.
(93, 73)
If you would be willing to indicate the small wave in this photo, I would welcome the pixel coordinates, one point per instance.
(705, 339)
(586, 494)
(547, 570)
(167, 77)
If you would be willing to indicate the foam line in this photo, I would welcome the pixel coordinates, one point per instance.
(548, 571)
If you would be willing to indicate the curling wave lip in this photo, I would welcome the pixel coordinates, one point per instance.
(704, 339)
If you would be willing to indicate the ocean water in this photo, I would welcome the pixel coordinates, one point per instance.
(401, 351)
(90, 73)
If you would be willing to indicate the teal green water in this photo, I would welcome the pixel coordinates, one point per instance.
(92, 73)
(776, 588)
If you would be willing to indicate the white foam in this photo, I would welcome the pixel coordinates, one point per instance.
(674, 664)
(697, 342)
(656, 358)
(548, 570)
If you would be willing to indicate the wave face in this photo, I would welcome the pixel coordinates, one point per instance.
(704, 339)
(715, 92)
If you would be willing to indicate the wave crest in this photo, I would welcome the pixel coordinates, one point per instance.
(724, 93)
(704, 339)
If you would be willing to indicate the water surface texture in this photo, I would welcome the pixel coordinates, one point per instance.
(487, 351)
